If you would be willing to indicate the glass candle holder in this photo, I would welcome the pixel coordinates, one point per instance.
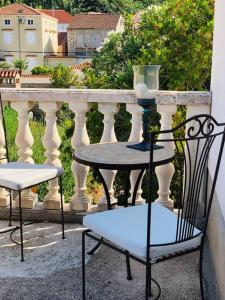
(146, 85)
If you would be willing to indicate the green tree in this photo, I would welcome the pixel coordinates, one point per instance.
(176, 35)
(20, 64)
(64, 77)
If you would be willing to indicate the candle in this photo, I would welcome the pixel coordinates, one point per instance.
(143, 92)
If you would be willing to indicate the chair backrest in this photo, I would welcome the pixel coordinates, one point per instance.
(192, 141)
(3, 132)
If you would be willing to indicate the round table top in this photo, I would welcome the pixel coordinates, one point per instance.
(116, 156)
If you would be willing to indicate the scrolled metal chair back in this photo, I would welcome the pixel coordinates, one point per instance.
(192, 141)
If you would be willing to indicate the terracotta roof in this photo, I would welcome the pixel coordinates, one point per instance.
(36, 75)
(82, 65)
(20, 9)
(94, 21)
(61, 15)
(9, 72)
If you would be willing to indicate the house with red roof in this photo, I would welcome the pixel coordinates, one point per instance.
(88, 31)
(27, 33)
(10, 78)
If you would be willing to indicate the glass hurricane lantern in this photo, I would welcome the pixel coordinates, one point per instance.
(146, 85)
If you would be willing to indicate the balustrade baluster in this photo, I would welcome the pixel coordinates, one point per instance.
(165, 173)
(51, 142)
(80, 201)
(135, 136)
(108, 110)
(4, 195)
(24, 142)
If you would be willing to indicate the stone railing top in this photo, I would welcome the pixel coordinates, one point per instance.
(100, 95)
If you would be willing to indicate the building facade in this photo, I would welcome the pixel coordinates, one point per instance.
(26, 33)
(63, 17)
(87, 32)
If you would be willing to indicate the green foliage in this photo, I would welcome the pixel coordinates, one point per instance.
(176, 35)
(20, 64)
(41, 70)
(77, 6)
(5, 65)
(64, 77)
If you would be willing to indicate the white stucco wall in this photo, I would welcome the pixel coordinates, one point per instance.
(218, 89)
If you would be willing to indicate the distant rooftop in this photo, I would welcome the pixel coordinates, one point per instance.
(94, 21)
(80, 66)
(9, 73)
(20, 9)
(60, 14)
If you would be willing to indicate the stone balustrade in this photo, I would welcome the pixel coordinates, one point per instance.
(80, 101)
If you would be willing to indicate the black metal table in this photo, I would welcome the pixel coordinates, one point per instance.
(117, 156)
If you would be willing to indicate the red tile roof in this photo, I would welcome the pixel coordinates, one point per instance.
(36, 75)
(94, 21)
(9, 72)
(60, 14)
(20, 9)
(82, 65)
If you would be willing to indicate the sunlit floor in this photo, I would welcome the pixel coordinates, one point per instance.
(52, 269)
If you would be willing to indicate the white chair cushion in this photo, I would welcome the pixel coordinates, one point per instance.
(127, 228)
(17, 176)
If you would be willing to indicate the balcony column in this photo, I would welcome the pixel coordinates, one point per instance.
(165, 173)
(80, 201)
(135, 136)
(4, 195)
(108, 110)
(24, 141)
(51, 142)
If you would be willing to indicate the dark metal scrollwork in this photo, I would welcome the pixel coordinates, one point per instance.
(203, 126)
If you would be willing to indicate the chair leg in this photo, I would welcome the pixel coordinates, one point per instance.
(148, 281)
(129, 276)
(201, 272)
(21, 226)
(62, 212)
(95, 248)
(83, 266)
(10, 208)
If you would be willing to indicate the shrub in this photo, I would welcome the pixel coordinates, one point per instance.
(39, 70)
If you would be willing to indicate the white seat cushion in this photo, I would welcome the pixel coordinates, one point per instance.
(17, 176)
(127, 228)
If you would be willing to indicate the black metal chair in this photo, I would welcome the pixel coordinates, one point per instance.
(18, 176)
(151, 233)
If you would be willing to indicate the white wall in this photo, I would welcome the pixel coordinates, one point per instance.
(218, 90)
(62, 27)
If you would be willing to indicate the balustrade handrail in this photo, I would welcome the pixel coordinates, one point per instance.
(102, 95)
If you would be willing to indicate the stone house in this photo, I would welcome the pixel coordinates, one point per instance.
(87, 32)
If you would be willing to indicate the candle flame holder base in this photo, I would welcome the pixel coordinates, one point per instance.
(145, 144)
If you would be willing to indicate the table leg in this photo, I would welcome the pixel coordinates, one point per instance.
(105, 188)
(136, 186)
(127, 188)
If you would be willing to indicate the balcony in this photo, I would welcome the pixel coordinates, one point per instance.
(57, 263)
